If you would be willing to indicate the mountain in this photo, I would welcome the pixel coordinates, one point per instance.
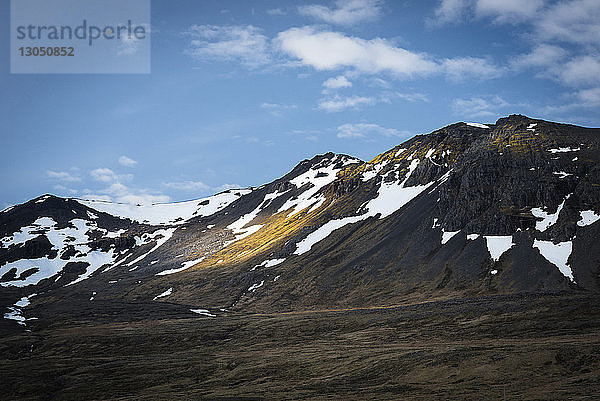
(468, 210)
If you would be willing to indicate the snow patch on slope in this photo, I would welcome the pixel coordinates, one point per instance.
(27, 233)
(562, 174)
(447, 235)
(557, 254)
(498, 244)
(164, 235)
(255, 287)
(564, 150)
(163, 294)
(204, 312)
(239, 226)
(391, 197)
(16, 312)
(588, 217)
(478, 125)
(318, 177)
(185, 266)
(548, 220)
(372, 173)
(269, 263)
(60, 239)
(167, 213)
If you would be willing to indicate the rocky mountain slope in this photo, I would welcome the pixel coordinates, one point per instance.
(466, 210)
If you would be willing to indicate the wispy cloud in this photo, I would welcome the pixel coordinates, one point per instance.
(584, 70)
(245, 44)
(589, 97)
(62, 176)
(339, 103)
(187, 185)
(581, 99)
(543, 55)
(277, 109)
(410, 97)
(564, 39)
(574, 21)
(362, 130)
(334, 83)
(450, 11)
(461, 68)
(225, 187)
(275, 11)
(126, 161)
(346, 12)
(508, 11)
(118, 192)
(480, 107)
(567, 21)
(64, 190)
(501, 11)
(311, 135)
(326, 50)
(108, 176)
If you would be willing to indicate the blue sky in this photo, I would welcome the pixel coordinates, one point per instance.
(241, 91)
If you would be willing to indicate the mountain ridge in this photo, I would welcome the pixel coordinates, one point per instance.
(466, 210)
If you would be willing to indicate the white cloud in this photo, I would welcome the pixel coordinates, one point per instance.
(126, 161)
(107, 175)
(277, 109)
(571, 21)
(480, 107)
(552, 28)
(128, 45)
(187, 185)
(277, 106)
(329, 51)
(461, 68)
(62, 176)
(502, 11)
(589, 97)
(543, 55)
(337, 83)
(118, 192)
(326, 50)
(450, 11)
(412, 97)
(103, 175)
(225, 187)
(582, 99)
(579, 71)
(245, 44)
(575, 21)
(365, 130)
(346, 12)
(508, 11)
(339, 103)
(275, 11)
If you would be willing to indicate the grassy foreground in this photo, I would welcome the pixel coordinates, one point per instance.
(531, 347)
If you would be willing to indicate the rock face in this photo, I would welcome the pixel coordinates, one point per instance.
(466, 210)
